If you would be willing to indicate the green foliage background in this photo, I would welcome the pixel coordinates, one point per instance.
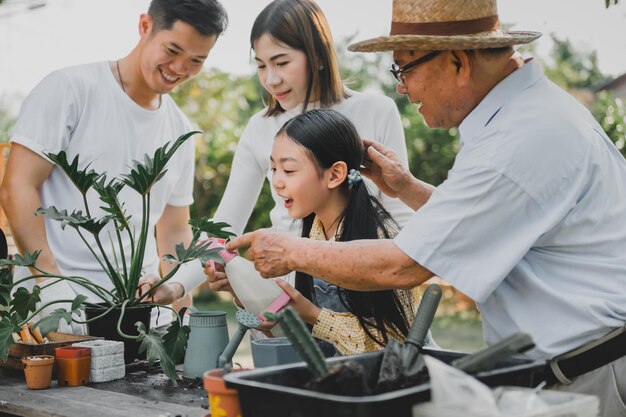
(220, 105)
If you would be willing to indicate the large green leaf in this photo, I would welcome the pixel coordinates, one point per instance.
(76, 219)
(6, 285)
(77, 304)
(6, 328)
(198, 250)
(175, 341)
(109, 193)
(28, 260)
(145, 174)
(152, 344)
(51, 323)
(24, 301)
(82, 179)
(211, 228)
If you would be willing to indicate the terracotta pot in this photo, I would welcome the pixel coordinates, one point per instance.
(38, 371)
(223, 401)
(73, 365)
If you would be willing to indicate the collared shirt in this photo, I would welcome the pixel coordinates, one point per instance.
(531, 222)
(343, 330)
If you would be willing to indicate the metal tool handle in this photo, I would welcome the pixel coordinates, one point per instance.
(487, 358)
(424, 317)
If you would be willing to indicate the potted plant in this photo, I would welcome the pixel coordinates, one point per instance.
(124, 270)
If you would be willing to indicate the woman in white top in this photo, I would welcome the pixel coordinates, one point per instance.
(298, 67)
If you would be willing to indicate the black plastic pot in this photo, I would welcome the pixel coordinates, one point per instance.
(277, 391)
(106, 327)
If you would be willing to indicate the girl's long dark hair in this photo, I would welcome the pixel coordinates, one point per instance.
(328, 137)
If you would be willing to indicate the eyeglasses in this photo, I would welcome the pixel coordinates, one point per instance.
(398, 72)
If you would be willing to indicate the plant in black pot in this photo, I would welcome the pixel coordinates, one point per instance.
(122, 264)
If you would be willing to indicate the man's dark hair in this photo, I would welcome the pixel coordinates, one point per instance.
(208, 17)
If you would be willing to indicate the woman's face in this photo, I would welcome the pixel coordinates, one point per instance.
(282, 71)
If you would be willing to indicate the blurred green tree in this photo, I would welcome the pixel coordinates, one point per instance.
(220, 105)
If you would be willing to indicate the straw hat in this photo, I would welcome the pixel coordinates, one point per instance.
(432, 25)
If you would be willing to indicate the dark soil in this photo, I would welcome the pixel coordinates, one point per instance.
(152, 384)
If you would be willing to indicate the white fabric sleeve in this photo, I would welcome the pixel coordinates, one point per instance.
(189, 275)
(392, 136)
(468, 233)
(48, 116)
(244, 184)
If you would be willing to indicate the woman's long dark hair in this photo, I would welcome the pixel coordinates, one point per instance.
(329, 137)
(301, 25)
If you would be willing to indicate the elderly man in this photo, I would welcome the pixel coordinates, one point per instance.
(529, 223)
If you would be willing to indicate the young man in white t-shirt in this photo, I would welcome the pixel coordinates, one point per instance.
(111, 113)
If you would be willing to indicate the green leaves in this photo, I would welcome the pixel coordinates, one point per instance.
(76, 219)
(211, 228)
(6, 328)
(197, 250)
(152, 344)
(6, 284)
(24, 301)
(51, 323)
(175, 341)
(28, 260)
(144, 175)
(109, 196)
(82, 179)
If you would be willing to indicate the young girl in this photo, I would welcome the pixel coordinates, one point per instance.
(315, 164)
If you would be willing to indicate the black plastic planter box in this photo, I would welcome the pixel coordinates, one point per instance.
(276, 391)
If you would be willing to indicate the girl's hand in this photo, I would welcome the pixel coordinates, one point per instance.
(303, 306)
(218, 281)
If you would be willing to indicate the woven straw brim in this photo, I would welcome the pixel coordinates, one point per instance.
(497, 39)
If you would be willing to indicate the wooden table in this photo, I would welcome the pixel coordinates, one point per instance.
(141, 393)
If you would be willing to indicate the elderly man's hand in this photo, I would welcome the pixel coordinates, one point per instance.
(384, 168)
(268, 250)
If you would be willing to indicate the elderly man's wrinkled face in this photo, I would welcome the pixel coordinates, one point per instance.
(427, 79)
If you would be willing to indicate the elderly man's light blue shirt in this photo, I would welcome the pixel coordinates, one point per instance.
(531, 222)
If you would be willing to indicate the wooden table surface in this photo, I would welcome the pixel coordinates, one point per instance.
(141, 393)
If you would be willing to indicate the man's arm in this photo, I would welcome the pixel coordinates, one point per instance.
(19, 195)
(358, 265)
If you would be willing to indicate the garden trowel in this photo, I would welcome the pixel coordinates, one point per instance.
(402, 364)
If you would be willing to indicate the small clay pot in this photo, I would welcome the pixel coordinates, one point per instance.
(223, 401)
(38, 371)
(73, 365)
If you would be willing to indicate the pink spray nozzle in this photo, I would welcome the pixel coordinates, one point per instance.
(221, 243)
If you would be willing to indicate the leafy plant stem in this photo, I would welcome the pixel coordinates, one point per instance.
(95, 288)
(161, 282)
(109, 270)
(119, 322)
(135, 269)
